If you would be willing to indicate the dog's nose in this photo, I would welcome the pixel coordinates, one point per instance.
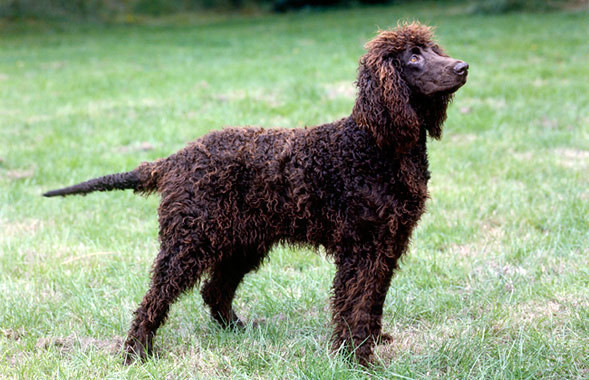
(461, 68)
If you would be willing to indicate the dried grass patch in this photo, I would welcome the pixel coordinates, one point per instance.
(537, 312)
(416, 339)
(22, 227)
(572, 158)
(490, 241)
(271, 98)
(344, 89)
(71, 343)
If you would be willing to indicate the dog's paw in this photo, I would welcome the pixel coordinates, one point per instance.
(258, 322)
(133, 351)
(384, 338)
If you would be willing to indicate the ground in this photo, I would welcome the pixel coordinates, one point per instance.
(495, 283)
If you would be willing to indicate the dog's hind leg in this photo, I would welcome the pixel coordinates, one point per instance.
(175, 271)
(226, 275)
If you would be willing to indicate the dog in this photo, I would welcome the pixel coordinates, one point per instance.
(356, 187)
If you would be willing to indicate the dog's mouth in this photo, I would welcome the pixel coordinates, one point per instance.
(447, 85)
(456, 86)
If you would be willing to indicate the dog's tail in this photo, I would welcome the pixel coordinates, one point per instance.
(143, 179)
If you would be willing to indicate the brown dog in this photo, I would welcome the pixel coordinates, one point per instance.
(357, 187)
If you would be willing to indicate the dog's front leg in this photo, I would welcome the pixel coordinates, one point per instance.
(360, 288)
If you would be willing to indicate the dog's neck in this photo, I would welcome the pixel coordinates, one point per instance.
(383, 124)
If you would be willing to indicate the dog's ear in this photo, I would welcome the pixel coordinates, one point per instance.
(383, 105)
(434, 114)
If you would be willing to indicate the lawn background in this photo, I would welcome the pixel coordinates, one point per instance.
(495, 283)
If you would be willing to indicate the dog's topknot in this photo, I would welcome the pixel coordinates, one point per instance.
(404, 35)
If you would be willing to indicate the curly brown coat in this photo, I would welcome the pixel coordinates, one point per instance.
(356, 186)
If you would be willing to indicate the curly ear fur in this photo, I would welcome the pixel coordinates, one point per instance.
(433, 113)
(385, 105)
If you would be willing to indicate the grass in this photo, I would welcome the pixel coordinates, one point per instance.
(495, 283)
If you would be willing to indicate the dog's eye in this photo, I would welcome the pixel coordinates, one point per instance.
(414, 58)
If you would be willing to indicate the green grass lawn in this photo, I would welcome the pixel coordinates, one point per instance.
(496, 281)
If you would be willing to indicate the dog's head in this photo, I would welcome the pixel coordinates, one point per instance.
(405, 82)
